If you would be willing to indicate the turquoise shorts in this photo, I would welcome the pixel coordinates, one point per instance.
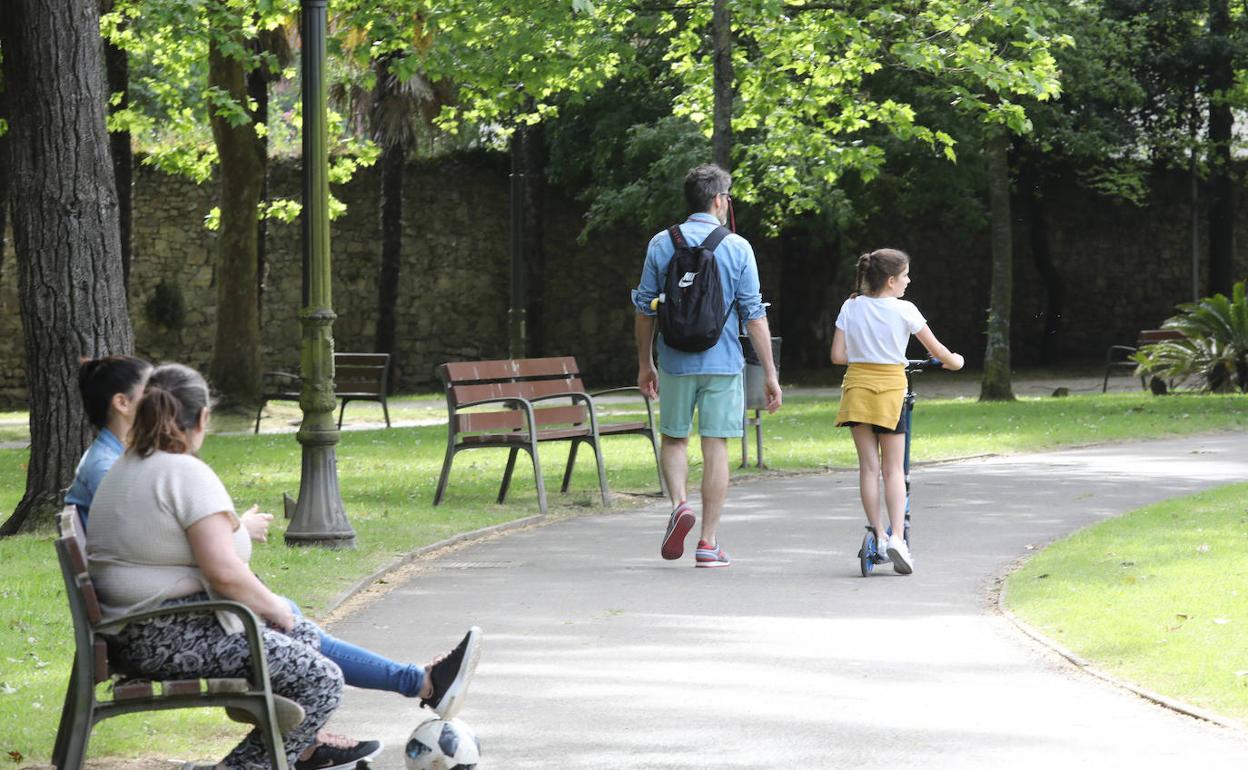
(719, 398)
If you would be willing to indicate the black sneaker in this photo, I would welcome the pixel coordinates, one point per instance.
(336, 752)
(449, 675)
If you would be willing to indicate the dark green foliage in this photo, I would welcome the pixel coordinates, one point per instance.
(1214, 352)
(166, 307)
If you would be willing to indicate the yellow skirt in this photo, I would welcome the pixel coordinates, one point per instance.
(872, 394)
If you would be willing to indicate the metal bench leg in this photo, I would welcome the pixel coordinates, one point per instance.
(567, 473)
(602, 475)
(66, 725)
(259, 410)
(341, 410)
(446, 473)
(74, 752)
(272, 738)
(537, 476)
(658, 463)
(511, 466)
(385, 409)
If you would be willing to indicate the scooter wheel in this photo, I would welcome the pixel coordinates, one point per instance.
(866, 560)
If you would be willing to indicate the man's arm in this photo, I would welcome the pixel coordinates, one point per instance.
(647, 376)
(760, 336)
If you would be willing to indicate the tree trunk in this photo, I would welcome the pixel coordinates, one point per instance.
(721, 136)
(63, 203)
(258, 90)
(996, 382)
(1042, 256)
(235, 366)
(393, 160)
(1219, 80)
(534, 150)
(117, 67)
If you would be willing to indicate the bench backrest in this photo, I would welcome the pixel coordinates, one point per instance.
(528, 378)
(84, 604)
(364, 373)
(1150, 336)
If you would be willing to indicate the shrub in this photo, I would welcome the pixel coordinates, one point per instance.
(1213, 354)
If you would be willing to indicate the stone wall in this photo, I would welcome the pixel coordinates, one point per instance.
(1124, 269)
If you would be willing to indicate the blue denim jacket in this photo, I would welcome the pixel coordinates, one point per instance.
(738, 276)
(98, 458)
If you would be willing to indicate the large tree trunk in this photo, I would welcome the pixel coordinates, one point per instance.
(258, 90)
(1042, 256)
(1220, 79)
(63, 202)
(534, 144)
(721, 34)
(117, 67)
(995, 385)
(393, 162)
(235, 367)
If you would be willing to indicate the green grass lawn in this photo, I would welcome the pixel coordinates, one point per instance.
(1158, 597)
(388, 479)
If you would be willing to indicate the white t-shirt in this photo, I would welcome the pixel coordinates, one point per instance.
(877, 329)
(137, 550)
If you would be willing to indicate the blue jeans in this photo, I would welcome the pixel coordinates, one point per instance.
(365, 668)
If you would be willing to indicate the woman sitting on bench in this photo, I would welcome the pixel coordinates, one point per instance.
(164, 531)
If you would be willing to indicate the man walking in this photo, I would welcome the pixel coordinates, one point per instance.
(708, 379)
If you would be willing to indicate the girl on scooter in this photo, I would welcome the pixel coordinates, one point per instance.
(872, 332)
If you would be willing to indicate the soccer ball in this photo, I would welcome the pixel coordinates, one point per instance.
(442, 744)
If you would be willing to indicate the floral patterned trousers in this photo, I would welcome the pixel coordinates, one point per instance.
(196, 646)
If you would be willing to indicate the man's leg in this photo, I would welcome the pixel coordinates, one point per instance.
(674, 455)
(721, 407)
(714, 483)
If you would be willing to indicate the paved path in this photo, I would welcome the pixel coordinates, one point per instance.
(601, 655)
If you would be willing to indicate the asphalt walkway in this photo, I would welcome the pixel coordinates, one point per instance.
(598, 654)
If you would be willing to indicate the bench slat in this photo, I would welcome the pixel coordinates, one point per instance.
(476, 371)
(1149, 336)
(520, 438)
(466, 394)
(514, 419)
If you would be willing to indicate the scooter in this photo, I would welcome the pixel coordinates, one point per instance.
(872, 552)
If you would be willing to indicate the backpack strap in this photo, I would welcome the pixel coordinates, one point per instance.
(678, 238)
(716, 237)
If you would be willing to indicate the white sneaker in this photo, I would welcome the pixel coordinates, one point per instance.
(899, 552)
(881, 549)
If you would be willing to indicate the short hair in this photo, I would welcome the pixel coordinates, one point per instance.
(703, 183)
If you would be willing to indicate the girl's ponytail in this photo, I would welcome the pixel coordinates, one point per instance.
(860, 280)
(175, 398)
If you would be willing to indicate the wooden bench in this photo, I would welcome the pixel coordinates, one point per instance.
(1119, 356)
(501, 404)
(357, 377)
(249, 699)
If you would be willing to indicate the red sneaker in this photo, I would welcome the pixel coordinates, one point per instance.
(678, 527)
(711, 555)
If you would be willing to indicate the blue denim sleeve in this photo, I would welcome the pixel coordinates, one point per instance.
(749, 294)
(648, 289)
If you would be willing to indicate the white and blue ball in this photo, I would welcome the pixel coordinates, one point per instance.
(442, 744)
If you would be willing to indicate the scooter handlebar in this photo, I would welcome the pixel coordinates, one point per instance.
(921, 364)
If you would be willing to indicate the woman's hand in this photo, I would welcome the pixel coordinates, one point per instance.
(257, 523)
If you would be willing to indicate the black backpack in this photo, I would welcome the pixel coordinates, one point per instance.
(691, 314)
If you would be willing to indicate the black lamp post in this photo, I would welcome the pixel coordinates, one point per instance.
(318, 517)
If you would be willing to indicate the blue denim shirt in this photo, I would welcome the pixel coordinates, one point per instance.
(738, 276)
(98, 458)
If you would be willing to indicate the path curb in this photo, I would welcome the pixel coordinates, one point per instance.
(1086, 666)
